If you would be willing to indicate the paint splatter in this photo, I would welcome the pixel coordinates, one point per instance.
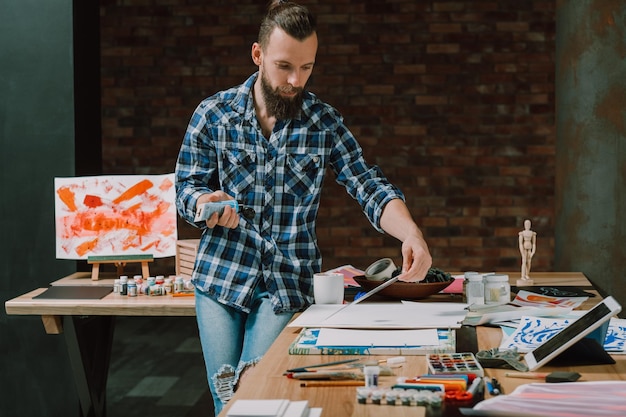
(115, 215)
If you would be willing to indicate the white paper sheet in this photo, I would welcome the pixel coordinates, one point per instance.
(405, 315)
(377, 338)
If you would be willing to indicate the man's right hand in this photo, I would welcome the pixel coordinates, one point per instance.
(229, 218)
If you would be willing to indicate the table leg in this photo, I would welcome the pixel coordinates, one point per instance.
(89, 340)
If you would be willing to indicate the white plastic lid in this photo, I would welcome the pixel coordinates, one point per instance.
(497, 278)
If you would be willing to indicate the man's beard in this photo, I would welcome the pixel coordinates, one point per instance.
(278, 106)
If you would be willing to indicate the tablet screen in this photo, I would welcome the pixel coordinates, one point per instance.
(572, 333)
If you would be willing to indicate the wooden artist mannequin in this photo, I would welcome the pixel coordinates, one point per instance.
(527, 247)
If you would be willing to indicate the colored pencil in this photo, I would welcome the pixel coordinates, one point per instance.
(332, 384)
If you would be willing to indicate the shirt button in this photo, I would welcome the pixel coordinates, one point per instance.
(316, 159)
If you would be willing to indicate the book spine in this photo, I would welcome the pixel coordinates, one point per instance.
(447, 344)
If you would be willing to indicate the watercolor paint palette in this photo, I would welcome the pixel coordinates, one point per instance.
(454, 363)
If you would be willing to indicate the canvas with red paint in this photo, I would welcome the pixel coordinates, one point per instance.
(115, 215)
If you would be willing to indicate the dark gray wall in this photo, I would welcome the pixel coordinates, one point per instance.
(36, 144)
(591, 142)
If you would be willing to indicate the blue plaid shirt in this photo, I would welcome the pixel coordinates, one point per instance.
(281, 179)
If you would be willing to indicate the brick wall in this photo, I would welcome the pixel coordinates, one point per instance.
(454, 100)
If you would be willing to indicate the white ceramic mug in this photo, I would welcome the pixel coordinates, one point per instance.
(328, 288)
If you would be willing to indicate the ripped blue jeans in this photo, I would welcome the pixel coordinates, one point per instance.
(233, 340)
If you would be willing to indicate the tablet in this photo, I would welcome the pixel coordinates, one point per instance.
(573, 333)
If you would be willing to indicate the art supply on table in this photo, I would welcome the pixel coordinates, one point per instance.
(527, 375)
(476, 387)
(179, 285)
(556, 376)
(332, 383)
(449, 382)
(139, 282)
(497, 289)
(396, 396)
(306, 343)
(168, 285)
(371, 374)
(475, 289)
(496, 385)
(562, 376)
(328, 376)
(206, 210)
(132, 288)
(466, 276)
(581, 399)
(454, 363)
(394, 362)
(321, 365)
(151, 281)
(461, 396)
(491, 387)
(184, 294)
(124, 285)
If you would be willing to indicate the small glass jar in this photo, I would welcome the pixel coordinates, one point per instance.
(149, 283)
(466, 276)
(179, 285)
(475, 290)
(371, 374)
(132, 288)
(497, 289)
(124, 285)
(168, 286)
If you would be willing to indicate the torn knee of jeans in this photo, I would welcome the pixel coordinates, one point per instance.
(242, 368)
(224, 382)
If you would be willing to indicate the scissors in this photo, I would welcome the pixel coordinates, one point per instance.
(460, 396)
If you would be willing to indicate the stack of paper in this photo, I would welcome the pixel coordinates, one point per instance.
(525, 303)
(272, 408)
(326, 341)
(405, 315)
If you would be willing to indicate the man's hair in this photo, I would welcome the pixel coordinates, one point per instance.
(294, 19)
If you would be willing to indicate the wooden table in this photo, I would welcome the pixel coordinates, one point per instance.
(88, 328)
(267, 379)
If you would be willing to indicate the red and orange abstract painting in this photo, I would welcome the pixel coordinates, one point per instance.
(115, 215)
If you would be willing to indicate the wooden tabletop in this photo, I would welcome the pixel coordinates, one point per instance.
(267, 381)
(117, 305)
(110, 305)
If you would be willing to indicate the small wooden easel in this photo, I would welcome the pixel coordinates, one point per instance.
(120, 262)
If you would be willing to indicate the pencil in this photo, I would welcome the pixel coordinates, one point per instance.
(527, 375)
(321, 365)
(325, 375)
(333, 384)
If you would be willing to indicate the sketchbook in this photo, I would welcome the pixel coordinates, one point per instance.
(405, 315)
(306, 344)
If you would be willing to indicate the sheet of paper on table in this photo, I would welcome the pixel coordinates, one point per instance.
(405, 315)
(358, 337)
(532, 331)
